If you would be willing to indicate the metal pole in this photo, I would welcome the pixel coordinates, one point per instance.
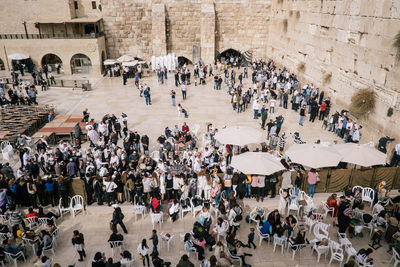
(5, 52)
(26, 31)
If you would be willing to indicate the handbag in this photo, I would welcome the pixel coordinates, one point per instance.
(112, 226)
(318, 179)
(141, 257)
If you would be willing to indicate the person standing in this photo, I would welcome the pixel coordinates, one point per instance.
(183, 89)
(143, 252)
(173, 96)
(302, 115)
(256, 107)
(124, 77)
(264, 116)
(312, 181)
(78, 242)
(154, 238)
(396, 156)
(272, 105)
(117, 218)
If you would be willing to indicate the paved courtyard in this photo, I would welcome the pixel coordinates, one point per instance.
(204, 105)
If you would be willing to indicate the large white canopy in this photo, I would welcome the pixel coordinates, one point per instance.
(110, 62)
(125, 58)
(130, 63)
(18, 56)
(362, 155)
(314, 155)
(260, 163)
(239, 135)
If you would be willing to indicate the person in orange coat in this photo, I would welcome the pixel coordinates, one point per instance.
(332, 203)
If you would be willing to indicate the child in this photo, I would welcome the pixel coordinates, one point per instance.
(250, 238)
(79, 243)
(154, 237)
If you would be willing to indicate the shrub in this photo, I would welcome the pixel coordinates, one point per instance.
(301, 67)
(327, 78)
(396, 44)
(389, 112)
(363, 102)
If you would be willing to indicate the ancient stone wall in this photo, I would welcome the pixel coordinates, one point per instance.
(242, 25)
(127, 25)
(342, 46)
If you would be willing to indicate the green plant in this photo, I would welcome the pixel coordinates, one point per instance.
(389, 112)
(363, 102)
(327, 78)
(301, 67)
(285, 25)
(396, 44)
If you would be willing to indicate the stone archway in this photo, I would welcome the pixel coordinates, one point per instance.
(184, 60)
(51, 59)
(80, 63)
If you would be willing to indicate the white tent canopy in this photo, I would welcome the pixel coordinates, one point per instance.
(362, 155)
(260, 163)
(110, 62)
(18, 56)
(130, 63)
(314, 155)
(125, 58)
(239, 135)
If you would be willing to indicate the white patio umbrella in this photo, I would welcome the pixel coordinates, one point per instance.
(125, 58)
(239, 136)
(313, 155)
(110, 62)
(18, 56)
(130, 63)
(362, 155)
(260, 163)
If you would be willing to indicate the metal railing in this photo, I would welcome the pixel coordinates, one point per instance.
(56, 83)
(14, 36)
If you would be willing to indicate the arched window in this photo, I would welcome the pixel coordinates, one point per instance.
(80, 63)
(184, 60)
(51, 59)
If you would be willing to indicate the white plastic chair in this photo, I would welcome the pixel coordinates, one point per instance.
(308, 221)
(262, 236)
(54, 237)
(279, 241)
(234, 258)
(167, 239)
(293, 205)
(116, 245)
(157, 218)
(282, 205)
(188, 208)
(350, 251)
(368, 195)
(5, 219)
(130, 263)
(62, 209)
(296, 248)
(33, 221)
(15, 257)
(31, 243)
(336, 252)
(320, 250)
(321, 231)
(139, 210)
(319, 217)
(195, 208)
(45, 221)
(224, 230)
(356, 187)
(395, 257)
(361, 262)
(256, 211)
(50, 248)
(327, 209)
(77, 204)
(343, 240)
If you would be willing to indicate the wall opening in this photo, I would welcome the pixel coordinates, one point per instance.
(51, 59)
(231, 56)
(2, 66)
(81, 63)
(184, 60)
(103, 58)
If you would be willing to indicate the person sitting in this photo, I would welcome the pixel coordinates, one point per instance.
(279, 234)
(220, 227)
(362, 256)
(49, 214)
(185, 262)
(298, 240)
(115, 237)
(99, 260)
(266, 228)
(126, 257)
(174, 210)
(190, 246)
(45, 241)
(155, 205)
(32, 214)
(224, 261)
(110, 263)
(11, 248)
(157, 261)
(332, 203)
(289, 224)
(44, 262)
(274, 219)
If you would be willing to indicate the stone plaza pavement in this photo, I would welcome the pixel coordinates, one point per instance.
(204, 105)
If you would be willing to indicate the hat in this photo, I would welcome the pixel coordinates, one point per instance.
(115, 206)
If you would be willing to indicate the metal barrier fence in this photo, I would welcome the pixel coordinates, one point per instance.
(55, 83)
(15, 36)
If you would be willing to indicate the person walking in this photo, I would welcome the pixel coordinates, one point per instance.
(117, 218)
(78, 242)
(312, 180)
(183, 89)
(302, 115)
(143, 252)
(173, 96)
(154, 237)
(264, 116)
(256, 107)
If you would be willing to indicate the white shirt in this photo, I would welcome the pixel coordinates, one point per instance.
(142, 250)
(256, 105)
(397, 149)
(272, 103)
